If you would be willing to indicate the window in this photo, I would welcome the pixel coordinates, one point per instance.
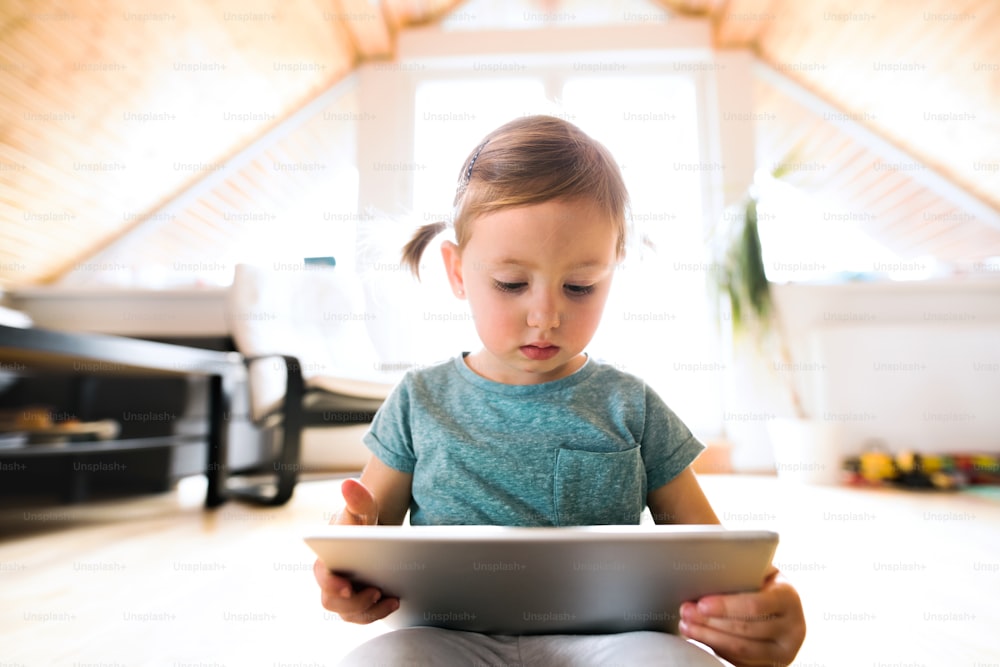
(657, 323)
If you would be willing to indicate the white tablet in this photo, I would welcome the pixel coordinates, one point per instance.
(500, 580)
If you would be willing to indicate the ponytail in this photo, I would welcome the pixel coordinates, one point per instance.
(413, 250)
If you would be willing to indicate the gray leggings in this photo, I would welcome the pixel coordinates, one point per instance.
(447, 648)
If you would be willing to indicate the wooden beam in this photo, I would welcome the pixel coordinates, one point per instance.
(740, 23)
(368, 26)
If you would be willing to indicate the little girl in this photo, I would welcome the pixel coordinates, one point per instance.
(530, 430)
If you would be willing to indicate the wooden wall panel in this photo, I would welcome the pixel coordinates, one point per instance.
(108, 109)
(852, 178)
(925, 74)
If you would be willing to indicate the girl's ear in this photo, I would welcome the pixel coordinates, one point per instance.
(453, 267)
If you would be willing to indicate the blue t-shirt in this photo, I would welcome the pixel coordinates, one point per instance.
(581, 450)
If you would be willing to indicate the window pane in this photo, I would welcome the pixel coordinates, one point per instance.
(657, 324)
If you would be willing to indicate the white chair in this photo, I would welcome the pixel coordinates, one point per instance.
(304, 335)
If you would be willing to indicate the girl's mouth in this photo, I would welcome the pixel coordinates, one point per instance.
(538, 352)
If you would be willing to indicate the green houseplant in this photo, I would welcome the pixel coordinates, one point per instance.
(744, 300)
(743, 292)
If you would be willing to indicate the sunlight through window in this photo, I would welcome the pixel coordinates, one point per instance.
(657, 324)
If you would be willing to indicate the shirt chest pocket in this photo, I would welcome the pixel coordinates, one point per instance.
(598, 488)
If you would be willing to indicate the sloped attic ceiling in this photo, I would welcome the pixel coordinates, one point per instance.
(90, 99)
(109, 109)
(899, 107)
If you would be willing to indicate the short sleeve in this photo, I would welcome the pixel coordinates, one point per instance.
(390, 438)
(668, 446)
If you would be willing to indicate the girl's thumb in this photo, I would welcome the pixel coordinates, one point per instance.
(361, 508)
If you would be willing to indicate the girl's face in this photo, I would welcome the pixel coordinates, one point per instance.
(537, 278)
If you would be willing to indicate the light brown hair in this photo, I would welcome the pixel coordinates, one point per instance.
(530, 160)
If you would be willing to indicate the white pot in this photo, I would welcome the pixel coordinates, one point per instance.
(806, 451)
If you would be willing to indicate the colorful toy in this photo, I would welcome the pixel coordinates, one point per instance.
(913, 470)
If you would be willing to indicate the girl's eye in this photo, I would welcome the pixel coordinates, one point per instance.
(508, 287)
(579, 290)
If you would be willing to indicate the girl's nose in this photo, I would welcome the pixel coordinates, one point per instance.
(543, 312)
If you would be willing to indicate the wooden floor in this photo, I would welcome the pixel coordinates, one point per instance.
(888, 578)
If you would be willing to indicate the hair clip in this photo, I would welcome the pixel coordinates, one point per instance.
(468, 172)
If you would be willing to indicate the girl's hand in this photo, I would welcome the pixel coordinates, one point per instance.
(338, 594)
(762, 628)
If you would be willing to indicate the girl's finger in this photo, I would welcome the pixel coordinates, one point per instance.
(730, 647)
(376, 612)
(759, 628)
